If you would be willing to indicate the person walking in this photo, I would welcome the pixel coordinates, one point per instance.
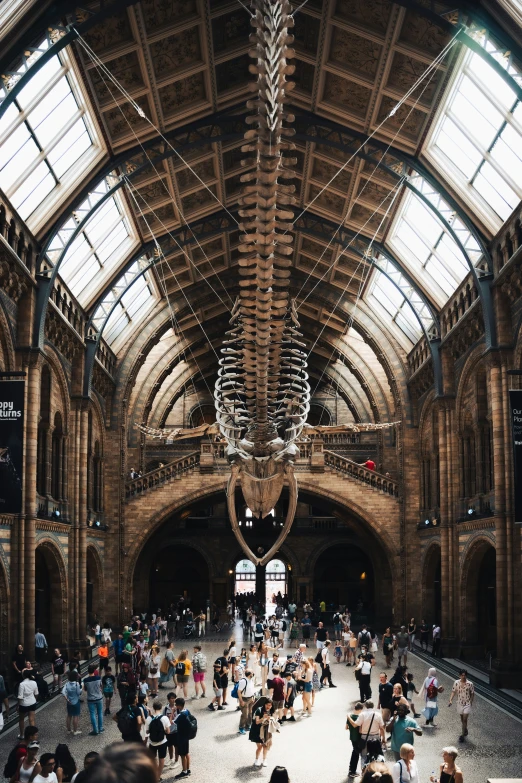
(245, 695)
(261, 732)
(157, 727)
(402, 729)
(71, 691)
(405, 769)
(385, 702)
(436, 634)
(28, 766)
(184, 728)
(307, 673)
(108, 682)
(326, 672)
(424, 629)
(199, 667)
(355, 738)
(412, 629)
(27, 695)
(92, 686)
(370, 725)
(306, 625)
(430, 690)
(40, 644)
(464, 690)
(320, 636)
(363, 672)
(449, 772)
(57, 668)
(403, 641)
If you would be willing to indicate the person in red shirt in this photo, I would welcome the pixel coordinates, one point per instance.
(370, 464)
(277, 688)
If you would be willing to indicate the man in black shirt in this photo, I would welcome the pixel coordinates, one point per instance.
(424, 635)
(290, 665)
(385, 696)
(223, 662)
(321, 635)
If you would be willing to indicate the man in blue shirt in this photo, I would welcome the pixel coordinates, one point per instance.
(403, 729)
(92, 685)
(118, 646)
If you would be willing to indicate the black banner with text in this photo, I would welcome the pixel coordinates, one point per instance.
(11, 445)
(515, 404)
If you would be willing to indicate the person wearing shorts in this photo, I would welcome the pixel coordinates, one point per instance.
(306, 625)
(182, 668)
(158, 748)
(465, 692)
(182, 737)
(171, 712)
(290, 694)
(27, 695)
(218, 689)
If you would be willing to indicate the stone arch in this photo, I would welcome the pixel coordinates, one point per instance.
(319, 414)
(50, 574)
(470, 367)
(4, 616)
(55, 362)
(95, 585)
(431, 584)
(7, 352)
(478, 595)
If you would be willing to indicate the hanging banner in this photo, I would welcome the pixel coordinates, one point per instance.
(11, 445)
(515, 405)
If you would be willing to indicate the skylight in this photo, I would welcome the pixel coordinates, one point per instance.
(99, 248)
(477, 140)
(46, 141)
(426, 246)
(132, 307)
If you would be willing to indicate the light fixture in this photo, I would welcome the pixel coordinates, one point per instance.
(230, 571)
(56, 514)
(363, 575)
(426, 521)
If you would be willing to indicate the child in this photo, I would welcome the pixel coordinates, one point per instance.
(218, 688)
(171, 712)
(346, 643)
(243, 657)
(231, 656)
(144, 686)
(352, 658)
(338, 651)
(410, 690)
(290, 694)
(108, 681)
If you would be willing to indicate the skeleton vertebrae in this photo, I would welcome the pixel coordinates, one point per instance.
(262, 393)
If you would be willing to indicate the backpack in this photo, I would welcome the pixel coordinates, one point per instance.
(126, 721)
(12, 762)
(201, 662)
(156, 729)
(259, 630)
(336, 618)
(192, 725)
(283, 623)
(365, 638)
(431, 690)
(319, 658)
(180, 668)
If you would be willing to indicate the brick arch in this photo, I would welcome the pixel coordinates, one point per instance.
(472, 557)
(55, 363)
(428, 598)
(7, 352)
(470, 367)
(98, 606)
(59, 595)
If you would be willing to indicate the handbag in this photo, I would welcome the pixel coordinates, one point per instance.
(362, 741)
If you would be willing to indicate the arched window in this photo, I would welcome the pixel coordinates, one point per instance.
(43, 473)
(468, 460)
(58, 459)
(245, 577)
(97, 501)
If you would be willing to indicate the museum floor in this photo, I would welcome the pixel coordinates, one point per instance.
(316, 748)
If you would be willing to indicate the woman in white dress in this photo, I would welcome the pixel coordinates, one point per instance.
(253, 662)
(154, 670)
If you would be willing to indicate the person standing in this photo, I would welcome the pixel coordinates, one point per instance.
(306, 625)
(385, 697)
(108, 681)
(464, 690)
(167, 665)
(199, 667)
(277, 692)
(57, 668)
(355, 738)
(261, 732)
(387, 646)
(27, 695)
(370, 725)
(182, 668)
(436, 634)
(103, 653)
(405, 769)
(92, 686)
(157, 727)
(320, 637)
(326, 672)
(129, 719)
(364, 638)
(402, 730)
(402, 645)
(218, 688)
(449, 772)
(245, 694)
(424, 635)
(118, 646)
(290, 694)
(154, 670)
(71, 691)
(40, 643)
(364, 668)
(183, 722)
(27, 764)
(412, 628)
(46, 774)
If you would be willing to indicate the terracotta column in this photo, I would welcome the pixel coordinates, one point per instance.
(82, 503)
(509, 511)
(33, 369)
(444, 518)
(497, 420)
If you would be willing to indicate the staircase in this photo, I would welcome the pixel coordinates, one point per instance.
(352, 470)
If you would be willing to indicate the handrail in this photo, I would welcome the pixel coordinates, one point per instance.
(160, 476)
(358, 472)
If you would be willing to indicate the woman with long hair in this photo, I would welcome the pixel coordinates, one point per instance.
(154, 670)
(279, 775)
(307, 673)
(182, 668)
(260, 732)
(65, 762)
(398, 698)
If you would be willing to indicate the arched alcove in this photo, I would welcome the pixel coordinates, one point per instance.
(479, 601)
(431, 585)
(50, 594)
(95, 596)
(344, 574)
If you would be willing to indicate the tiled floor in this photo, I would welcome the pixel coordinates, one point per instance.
(316, 748)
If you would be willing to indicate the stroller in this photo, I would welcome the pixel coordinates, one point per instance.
(189, 630)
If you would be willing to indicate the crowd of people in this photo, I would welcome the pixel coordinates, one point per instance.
(146, 688)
